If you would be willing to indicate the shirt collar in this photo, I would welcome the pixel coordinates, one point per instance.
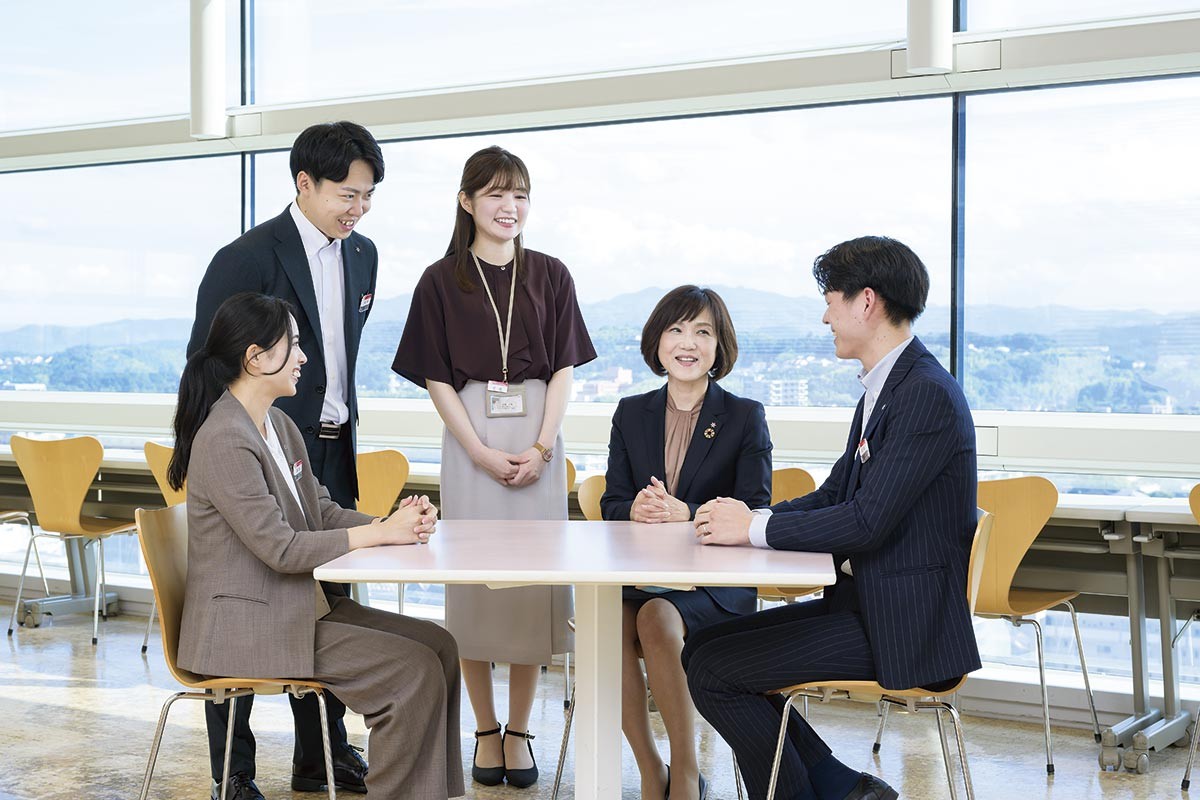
(313, 240)
(875, 380)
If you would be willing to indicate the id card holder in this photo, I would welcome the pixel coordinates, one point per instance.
(505, 400)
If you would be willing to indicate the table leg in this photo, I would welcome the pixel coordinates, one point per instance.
(598, 692)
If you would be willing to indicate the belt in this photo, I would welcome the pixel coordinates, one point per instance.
(330, 430)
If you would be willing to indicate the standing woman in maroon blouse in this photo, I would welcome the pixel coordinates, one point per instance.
(495, 333)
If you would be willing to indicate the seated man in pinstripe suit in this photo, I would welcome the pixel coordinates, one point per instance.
(897, 512)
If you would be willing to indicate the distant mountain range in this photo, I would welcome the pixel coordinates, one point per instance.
(754, 311)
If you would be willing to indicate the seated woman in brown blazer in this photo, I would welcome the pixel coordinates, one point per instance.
(259, 523)
(670, 451)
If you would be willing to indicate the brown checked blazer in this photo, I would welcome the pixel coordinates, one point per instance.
(251, 606)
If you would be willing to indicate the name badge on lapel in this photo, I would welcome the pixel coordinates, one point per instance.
(864, 451)
(297, 470)
(364, 303)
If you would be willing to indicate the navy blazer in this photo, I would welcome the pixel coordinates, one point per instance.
(734, 462)
(269, 258)
(906, 520)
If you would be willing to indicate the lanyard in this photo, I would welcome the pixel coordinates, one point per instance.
(505, 336)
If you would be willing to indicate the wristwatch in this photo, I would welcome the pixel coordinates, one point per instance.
(547, 452)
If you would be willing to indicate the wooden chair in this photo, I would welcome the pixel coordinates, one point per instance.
(590, 492)
(382, 475)
(1194, 502)
(1022, 506)
(59, 474)
(158, 458)
(163, 538)
(916, 699)
(788, 483)
(570, 475)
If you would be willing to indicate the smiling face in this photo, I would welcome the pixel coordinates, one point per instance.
(499, 214)
(688, 349)
(335, 207)
(279, 367)
(844, 316)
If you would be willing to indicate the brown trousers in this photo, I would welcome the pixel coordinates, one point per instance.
(402, 675)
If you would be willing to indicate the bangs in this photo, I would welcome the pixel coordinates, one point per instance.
(510, 176)
(693, 304)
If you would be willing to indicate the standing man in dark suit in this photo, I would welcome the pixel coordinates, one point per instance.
(897, 512)
(311, 256)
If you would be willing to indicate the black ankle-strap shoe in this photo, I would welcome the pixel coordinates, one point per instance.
(488, 776)
(521, 778)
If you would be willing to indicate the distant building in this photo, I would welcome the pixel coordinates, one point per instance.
(606, 385)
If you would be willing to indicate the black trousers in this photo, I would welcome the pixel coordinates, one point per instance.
(333, 464)
(731, 665)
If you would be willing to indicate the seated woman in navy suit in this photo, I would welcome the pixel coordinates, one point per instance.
(670, 451)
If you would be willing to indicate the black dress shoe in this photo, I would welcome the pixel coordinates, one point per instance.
(521, 778)
(871, 788)
(240, 788)
(488, 776)
(349, 772)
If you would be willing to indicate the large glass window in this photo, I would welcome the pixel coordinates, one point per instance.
(362, 47)
(1081, 249)
(106, 261)
(990, 15)
(74, 62)
(742, 203)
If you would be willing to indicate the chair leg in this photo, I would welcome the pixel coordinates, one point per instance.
(562, 751)
(37, 557)
(956, 721)
(99, 584)
(149, 625)
(103, 582)
(1037, 629)
(330, 783)
(1087, 684)
(158, 734)
(1187, 775)
(946, 754)
(228, 746)
(12, 622)
(783, 722)
(737, 776)
(883, 717)
(568, 690)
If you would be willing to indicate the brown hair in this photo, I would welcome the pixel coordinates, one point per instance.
(684, 304)
(490, 167)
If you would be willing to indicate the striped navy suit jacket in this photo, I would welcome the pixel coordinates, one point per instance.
(905, 519)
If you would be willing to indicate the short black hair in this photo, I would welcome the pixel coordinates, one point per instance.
(889, 267)
(327, 150)
(684, 304)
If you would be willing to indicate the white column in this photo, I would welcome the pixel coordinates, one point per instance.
(598, 692)
(930, 37)
(208, 69)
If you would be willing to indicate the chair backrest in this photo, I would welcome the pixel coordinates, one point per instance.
(570, 475)
(158, 457)
(979, 548)
(1194, 502)
(58, 474)
(1021, 507)
(590, 492)
(163, 536)
(381, 478)
(789, 483)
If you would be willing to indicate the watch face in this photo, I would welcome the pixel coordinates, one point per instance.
(547, 455)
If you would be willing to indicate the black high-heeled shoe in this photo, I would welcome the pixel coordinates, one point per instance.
(521, 778)
(488, 776)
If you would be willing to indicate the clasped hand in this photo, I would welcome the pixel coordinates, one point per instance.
(655, 504)
(723, 521)
(511, 469)
(413, 522)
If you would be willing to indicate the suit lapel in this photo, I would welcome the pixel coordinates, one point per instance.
(656, 410)
(354, 289)
(290, 508)
(293, 513)
(290, 252)
(708, 427)
(851, 449)
(899, 372)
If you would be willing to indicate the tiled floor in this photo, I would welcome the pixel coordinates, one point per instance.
(78, 722)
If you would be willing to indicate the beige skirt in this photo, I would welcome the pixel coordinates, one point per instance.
(528, 624)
